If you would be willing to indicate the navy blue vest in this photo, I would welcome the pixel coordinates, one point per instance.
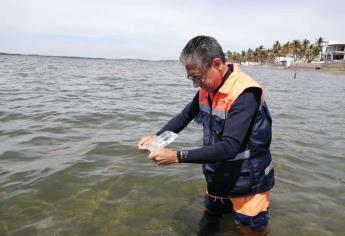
(250, 171)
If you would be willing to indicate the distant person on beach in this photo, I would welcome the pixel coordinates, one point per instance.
(236, 122)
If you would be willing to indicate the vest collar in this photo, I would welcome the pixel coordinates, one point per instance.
(225, 77)
(228, 84)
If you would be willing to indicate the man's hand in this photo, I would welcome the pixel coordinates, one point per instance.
(145, 141)
(163, 156)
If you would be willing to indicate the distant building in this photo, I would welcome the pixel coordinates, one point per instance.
(284, 61)
(334, 50)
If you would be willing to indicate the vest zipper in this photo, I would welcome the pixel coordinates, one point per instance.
(210, 103)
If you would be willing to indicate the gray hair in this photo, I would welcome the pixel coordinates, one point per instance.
(200, 51)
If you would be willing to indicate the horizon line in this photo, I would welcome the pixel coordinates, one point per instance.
(81, 57)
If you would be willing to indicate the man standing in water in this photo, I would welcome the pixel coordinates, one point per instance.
(236, 158)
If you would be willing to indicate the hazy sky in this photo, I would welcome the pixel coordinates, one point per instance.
(159, 29)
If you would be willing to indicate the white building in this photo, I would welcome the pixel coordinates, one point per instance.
(284, 61)
(334, 50)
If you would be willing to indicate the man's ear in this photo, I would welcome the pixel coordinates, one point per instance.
(217, 63)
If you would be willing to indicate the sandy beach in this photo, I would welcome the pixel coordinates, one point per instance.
(328, 67)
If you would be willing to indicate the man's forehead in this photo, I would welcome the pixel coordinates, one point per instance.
(192, 68)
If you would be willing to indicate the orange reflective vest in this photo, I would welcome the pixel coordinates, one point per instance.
(250, 171)
(227, 94)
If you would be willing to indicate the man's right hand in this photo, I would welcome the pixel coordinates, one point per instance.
(145, 141)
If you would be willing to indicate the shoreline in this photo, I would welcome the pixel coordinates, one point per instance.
(331, 68)
(327, 67)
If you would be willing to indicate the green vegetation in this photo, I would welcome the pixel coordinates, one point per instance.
(297, 49)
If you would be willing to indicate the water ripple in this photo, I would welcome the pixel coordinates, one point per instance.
(69, 164)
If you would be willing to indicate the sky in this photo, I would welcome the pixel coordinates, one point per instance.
(158, 30)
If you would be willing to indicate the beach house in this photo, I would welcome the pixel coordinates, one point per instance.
(335, 51)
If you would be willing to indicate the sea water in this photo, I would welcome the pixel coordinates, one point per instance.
(69, 163)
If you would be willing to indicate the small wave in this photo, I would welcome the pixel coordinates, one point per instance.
(110, 149)
(43, 141)
(12, 156)
(291, 116)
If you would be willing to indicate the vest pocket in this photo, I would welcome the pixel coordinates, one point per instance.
(244, 180)
(260, 161)
(229, 179)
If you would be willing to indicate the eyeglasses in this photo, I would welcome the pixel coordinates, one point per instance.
(198, 78)
(195, 78)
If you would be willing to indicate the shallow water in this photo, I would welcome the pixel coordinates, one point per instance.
(69, 164)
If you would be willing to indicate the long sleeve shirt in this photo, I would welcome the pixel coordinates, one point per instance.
(235, 135)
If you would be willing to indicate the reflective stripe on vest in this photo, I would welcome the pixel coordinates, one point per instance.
(245, 155)
(233, 87)
(269, 168)
(221, 114)
(205, 108)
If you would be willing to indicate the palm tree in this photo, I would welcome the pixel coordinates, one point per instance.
(234, 56)
(319, 42)
(238, 57)
(255, 56)
(318, 46)
(276, 48)
(296, 51)
(310, 53)
(300, 50)
(244, 56)
(265, 56)
(229, 56)
(296, 47)
(286, 49)
(260, 53)
(250, 55)
(270, 56)
(304, 48)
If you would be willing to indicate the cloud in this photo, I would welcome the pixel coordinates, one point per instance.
(158, 29)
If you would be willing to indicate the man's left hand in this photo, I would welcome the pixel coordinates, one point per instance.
(163, 156)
